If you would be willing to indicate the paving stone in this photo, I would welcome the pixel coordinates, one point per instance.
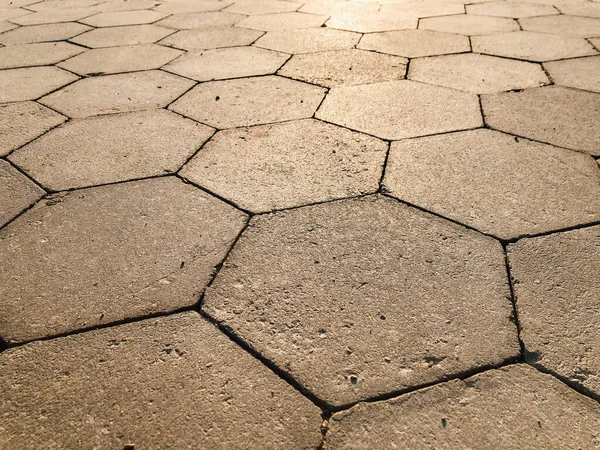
(17, 192)
(415, 43)
(124, 5)
(595, 42)
(6, 26)
(154, 250)
(201, 20)
(185, 6)
(494, 183)
(344, 309)
(469, 24)
(58, 5)
(400, 109)
(513, 407)
(11, 13)
(127, 35)
(282, 21)
(169, 382)
(479, 74)
(542, 114)
(45, 17)
(40, 54)
(42, 33)
(330, 8)
(565, 25)
(371, 23)
(22, 122)
(422, 9)
(580, 73)
(345, 67)
(118, 93)
(580, 9)
(222, 63)
(210, 38)
(30, 83)
(557, 293)
(511, 9)
(308, 40)
(116, 18)
(15, 3)
(249, 101)
(286, 165)
(253, 7)
(107, 149)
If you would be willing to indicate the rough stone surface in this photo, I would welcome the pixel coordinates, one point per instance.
(42, 33)
(17, 192)
(511, 9)
(253, 7)
(343, 308)
(40, 54)
(117, 18)
(308, 40)
(469, 24)
(514, 407)
(192, 386)
(282, 21)
(216, 37)
(200, 20)
(65, 270)
(580, 73)
(31, 83)
(371, 23)
(126, 35)
(415, 43)
(566, 25)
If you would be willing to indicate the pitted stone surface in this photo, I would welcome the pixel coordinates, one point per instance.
(42, 33)
(308, 40)
(17, 192)
(216, 37)
(253, 7)
(584, 27)
(65, 270)
(126, 35)
(193, 21)
(513, 407)
(249, 101)
(111, 148)
(333, 294)
(192, 386)
(286, 165)
(557, 290)
(468, 24)
(494, 183)
(362, 23)
(400, 109)
(282, 21)
(511, 9)
(580, 73)
(415, 43)
(30, 83)
(40, 54)
(185, 6)
(117, 18)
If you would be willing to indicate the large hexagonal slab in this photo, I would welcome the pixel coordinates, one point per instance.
(126, 35)
(563, 24)
(40, 54)
(215, 37)
(370, 23)
(253, 7)
(42, 33)
(282, 21)
(116, 18)
(31, 82)
(415, 43)
(469, 24)
(185, 6)
(308, 40)
(415, 8)
(515, 10)
(17, 192)
(359, 298)
(201, 21)
(581, 73)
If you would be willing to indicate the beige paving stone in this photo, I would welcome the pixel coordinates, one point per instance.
(24, 121)
(595, 42)
(200, 20)
(330, 8)
(223, 63)
(513, 407)
(58, 5)
(253, 7)
(308, 40)
(118, 93)
(585, 9)
(400, 109)
(494, 183)
(17, 192)
(210, 38)
(564, 25)
(11, 13)
(186, 6)
(371, 23)
(30, 83)
(422, 9)
(557, 293)
(580, 73)
(64, 269)
(415, 43)
(42, 33)
(344, 309)
(282, 21)
(6, 26)
(344, 67)
(289, 164)
(116, 18)
(161, 383)
(125, 5)
(470, 25)
(479, 74)
(510, 9)
(127, 35)
(553, 114)
(15, 3)
(45, 17)
(112, 148)
(39, 54)
(249, 101)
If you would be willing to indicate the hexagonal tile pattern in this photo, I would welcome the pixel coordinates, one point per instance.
(177, 372)
(415, 43)
(566, 25)
(469, 25)
(282, 21)
(317, 291)
(322, 162)
(200, 21)
(494, 183)
(154, 250)
(249, 101)
(580, 73)
(17, 192)
(42, 33)
(111, 148)
(123, 5)
(308, 40)
(557, 291)
(41, 54)
(184, 6)
(511, 9)
(210, 38)
(535, 410)
(334, 7)
(118, 93)
(223, 63)
(371, 23)
(252, 7)
(45, 17)
(126, 35)
(421, 9)
(30, 83)
(116, 18)
(400, 109)
(542, 114)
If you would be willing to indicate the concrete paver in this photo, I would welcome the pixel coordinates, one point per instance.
(126, 35)
(415, 43)
(586, 9)
(116, 18)
(308, 40)
(371, 23)
(564, 25)
(422, 9)
(17, 192)
(468, 24)
(515, 10)
(580, 73)
(253, 7)
(183, 6)
(42, 33)
(40, 54)
(282, 21)
(210, 38)
(6, 26)
(30, 83)
(196, 21)
(44, 17)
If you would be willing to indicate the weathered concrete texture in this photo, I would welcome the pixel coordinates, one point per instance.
(334, 294)
(112, 148)
(513, 407)
(30, 83)
(117, 18)
(494, 183)
(200, 20)
(513, 10)
(253, 7)
(557, 290)
(161, 383)
(249, 101)
(468, 24)
(87, 258)
(126, 35)
(566, 25)
(216, 37)
(580, 73)
(308, 40)
(290, 164)
(557, 115)
(40, 54)
(282, 21)
(185, 6)
(415, 43)
(17, 192)
(370, 23)
(42, 33)
(400, 109)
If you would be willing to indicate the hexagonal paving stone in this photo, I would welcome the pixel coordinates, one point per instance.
(111, 148)
(469, 24)
(479, 74)
(185, 6)
(45, 17)
(333, 7)
(53, 5)
(116, 18)
(580, 9)
(127, 35)
(11, 13)
(201, 20)
(225, 63)
(415, 43)
(400, 109)
(581, 73)
(595, 42)
(422, 9)
(513, 407)
(371, 23)
(6, 26)
(345, 67)
(190, 383)
(124, 5)
(494, 183)
(249, 101)
(41, 54)
(252, 7)
(511, 9)
(552, 114)
(30, 83)
(290, 164)
(17, 192)
(308, 40)
(557, 290)
(154, 250)
(42, 33)
(334, 295)
(118, 93)
(567, 25)
(210, 38)
(282, 21)
(121, 59)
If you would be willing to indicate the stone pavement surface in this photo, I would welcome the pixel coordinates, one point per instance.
(326, 224)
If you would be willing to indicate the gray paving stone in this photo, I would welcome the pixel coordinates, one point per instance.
(282, 21)
(116, 18)
(198, 21)
(17, 192)
(308, 40)
(42, 33)
(252, 7)
(186, 6)
(415, 43)
(513, 10)
(210, 38)
(40, 54)
(564, 25)
(470, 25)
(126, 35)
(580, 73)
(371, 23)
(30, 83)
